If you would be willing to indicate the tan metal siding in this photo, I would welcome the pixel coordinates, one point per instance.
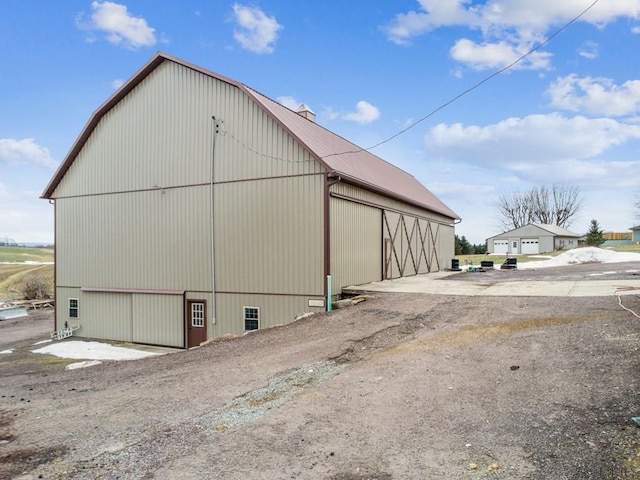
(356, 243)
(351, 191)
(106, 316)
(162, 134)
(158, 319)
(62, 296)
(143, 240)
(394, 244)
(269, 236)
(274, 310)
(414, 240)
(447, 248)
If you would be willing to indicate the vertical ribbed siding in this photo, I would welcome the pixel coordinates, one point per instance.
(158, 319)
(62, 296)
(394, 241)
(274, 310)
(134, 209)
(105, 315)
(269, 236)
(390, 203)
(356, 244)
(144, 240)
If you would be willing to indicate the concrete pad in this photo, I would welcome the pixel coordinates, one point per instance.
(431, 284)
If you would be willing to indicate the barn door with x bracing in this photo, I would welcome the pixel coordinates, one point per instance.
(409, 245)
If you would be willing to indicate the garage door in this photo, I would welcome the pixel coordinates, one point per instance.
(155, 319)
(500, 246)
(530, 245)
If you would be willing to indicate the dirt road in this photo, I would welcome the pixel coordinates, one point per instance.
(399, 387)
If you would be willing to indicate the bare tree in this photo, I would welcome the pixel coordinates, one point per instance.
(557, 205)
(515, 210)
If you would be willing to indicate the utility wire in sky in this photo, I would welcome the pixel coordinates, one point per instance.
(470, 89)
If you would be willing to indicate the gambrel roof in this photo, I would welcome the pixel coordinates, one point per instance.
(338, 156)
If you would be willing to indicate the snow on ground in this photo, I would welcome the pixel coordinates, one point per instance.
(92, 351)
(6, 351)
(85, 364)
(583, 255)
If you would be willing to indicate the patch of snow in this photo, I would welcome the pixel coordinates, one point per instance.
(6, 351)
(85, 364)
(43, 341)
(583, 255)
(92, 351)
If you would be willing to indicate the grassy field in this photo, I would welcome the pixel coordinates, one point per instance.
(14, 276)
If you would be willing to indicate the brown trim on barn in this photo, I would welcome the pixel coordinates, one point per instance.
(175, 187)
(315, 295)
(389, 209)
(122, 92)
(132, 290)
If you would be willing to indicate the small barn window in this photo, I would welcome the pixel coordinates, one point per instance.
(251, 318)
(73, 308)
(197, 314)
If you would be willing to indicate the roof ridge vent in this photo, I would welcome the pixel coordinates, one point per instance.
(304, 111)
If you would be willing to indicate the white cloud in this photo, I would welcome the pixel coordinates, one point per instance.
(507, 28)
(289, 102)
(121, 28)
(434, 14)
(497, 55)
(25, 152)
(257, 31)
(365, 113)
(539, 147)
(117, 83)
(595, 96)
(589, 50)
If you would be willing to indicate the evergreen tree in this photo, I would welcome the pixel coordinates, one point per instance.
(595, 235)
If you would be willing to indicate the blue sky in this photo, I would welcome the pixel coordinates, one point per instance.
(567, 114)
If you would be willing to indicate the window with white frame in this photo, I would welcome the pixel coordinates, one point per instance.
(197, 314)
(74, 308)
(251, 318)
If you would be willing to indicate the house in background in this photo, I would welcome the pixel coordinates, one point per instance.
(192, 206)
(616, 239)
(635, 234)
(532, 239)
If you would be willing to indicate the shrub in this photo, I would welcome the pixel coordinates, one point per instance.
(35, 288)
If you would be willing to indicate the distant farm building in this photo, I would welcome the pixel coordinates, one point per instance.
(192, 206)
(615, 239)
(532, 239)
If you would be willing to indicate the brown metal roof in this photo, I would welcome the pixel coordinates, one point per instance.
(351, 162)
(336, 154)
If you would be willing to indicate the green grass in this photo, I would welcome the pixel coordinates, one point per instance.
(14, 275)
(26, 254)
(634, 248)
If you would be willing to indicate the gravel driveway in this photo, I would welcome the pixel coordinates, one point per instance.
(402, 386)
